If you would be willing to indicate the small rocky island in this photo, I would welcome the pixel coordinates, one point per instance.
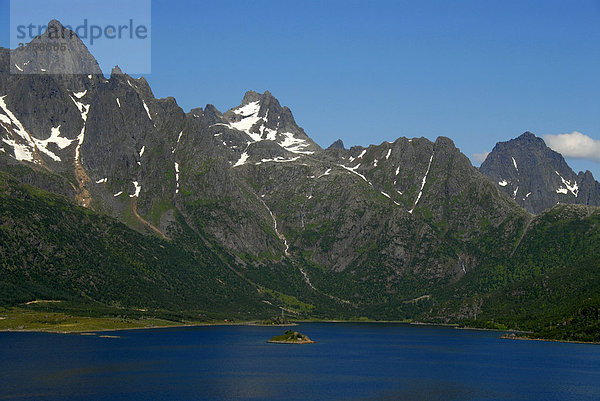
(291, 337)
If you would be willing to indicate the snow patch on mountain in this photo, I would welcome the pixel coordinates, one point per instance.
(278, 159)
(55, 138)
(249, 114)
(4, 119)
(249, 119)
(177, 177)
(325, 173)
(23, 152)
(250, 109)
(422, 186)
(84, 109)
(294, 145)
(138, 188)
(242, 160)
(271, 133)
(573, 188)
(219, 124)
(147, 110)
(353, 170)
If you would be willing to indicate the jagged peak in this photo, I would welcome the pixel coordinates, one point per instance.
(339, 144)
(211, 108)
(587, 176)
(251, 96)
(75, 58)
(264, 98)
(55, 24)
(527, 135)
(527, 139)
(116, 71)
(444, 141)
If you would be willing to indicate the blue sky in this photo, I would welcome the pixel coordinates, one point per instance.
(478, 72)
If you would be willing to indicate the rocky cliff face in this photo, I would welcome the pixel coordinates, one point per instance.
(537, 177)
(374, 227)
(57, 52)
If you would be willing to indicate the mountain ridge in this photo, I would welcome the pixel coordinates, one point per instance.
(318, 232)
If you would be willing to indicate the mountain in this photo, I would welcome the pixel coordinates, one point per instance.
(67, 54)
(52, 249)
(548, 284)
(390, 231)
(537, 177)
(339, 144)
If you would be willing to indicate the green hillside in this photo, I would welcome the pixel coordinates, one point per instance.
(53, 250)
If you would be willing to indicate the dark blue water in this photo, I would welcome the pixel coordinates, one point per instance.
(348, 362)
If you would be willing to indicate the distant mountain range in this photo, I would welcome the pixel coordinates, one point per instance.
(242, 213)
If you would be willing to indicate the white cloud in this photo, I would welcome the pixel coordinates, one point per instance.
(479, 157)
(575, 145)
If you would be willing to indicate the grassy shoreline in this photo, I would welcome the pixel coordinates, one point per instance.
(19, 320)
(25, 319)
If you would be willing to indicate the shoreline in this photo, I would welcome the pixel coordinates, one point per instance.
(254, 323)
(90, 332)
(548, 340)
(509, 334)
(290, 342)
(488, 329)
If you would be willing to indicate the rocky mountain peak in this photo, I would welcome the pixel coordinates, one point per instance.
(116, 71)
(211, 114)
(251, 96)
(528, 135)
(339, 144)
(261, 119)
(57, 51)
(530, 138)
(444, 142)
(534, 175)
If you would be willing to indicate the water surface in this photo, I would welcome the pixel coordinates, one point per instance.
(349, 362)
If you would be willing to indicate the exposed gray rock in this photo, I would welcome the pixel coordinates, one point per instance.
(537, 177)
(381, 224)
(339, 144)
